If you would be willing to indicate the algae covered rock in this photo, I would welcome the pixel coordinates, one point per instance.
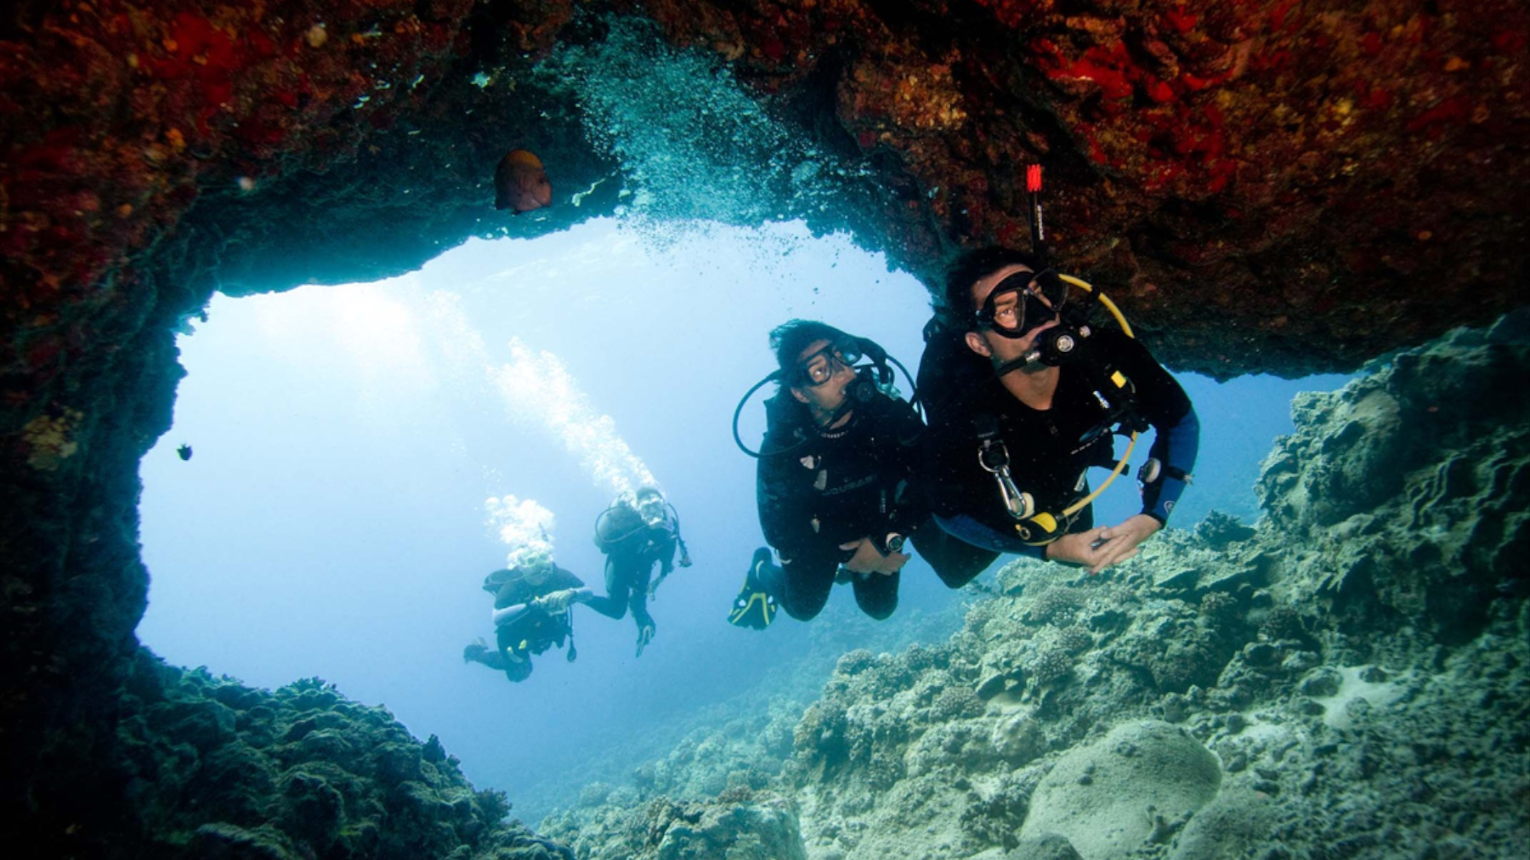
(1230, 825)
(740, 825)
(1125, 790)
(1409, 489)
(299, 773)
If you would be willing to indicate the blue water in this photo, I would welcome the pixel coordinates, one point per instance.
(332, 520)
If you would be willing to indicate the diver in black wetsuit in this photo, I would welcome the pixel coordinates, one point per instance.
(531, 614)
(1022, 397)
(635, 533)
(834, 482)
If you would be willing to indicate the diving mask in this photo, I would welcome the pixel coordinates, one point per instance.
(1023, 301)
(821, 366)
(534, 564)
(651, 509)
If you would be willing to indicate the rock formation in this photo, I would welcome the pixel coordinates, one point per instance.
(1232, 692)
(1263, 185)
(212, 768)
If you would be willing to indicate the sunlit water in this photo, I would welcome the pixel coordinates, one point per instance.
(332, 521)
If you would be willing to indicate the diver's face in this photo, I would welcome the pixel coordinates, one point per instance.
(825, 375)
(1007, 311)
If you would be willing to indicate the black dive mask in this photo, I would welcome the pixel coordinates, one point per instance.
(1023, 301)
(820, 367)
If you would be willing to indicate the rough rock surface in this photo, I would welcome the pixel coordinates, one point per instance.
(1323, 712)
(1123, 790)
(1263, 185)
(217, 769)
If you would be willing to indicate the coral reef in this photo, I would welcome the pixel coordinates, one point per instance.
(1234, 691)
(215, 768)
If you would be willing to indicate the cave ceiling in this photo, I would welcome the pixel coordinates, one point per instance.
(1263, 186)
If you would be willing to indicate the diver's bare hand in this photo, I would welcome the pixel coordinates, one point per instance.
(1119, 543)
(1077, 549)
(869, 559)
(555, 602)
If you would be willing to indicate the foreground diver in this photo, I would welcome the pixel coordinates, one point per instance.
(834, 482)
(635, 533)
(1029, 395)
(531, 614)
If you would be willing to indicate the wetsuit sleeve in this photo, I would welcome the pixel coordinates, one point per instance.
(1166, 406)
(667, 545)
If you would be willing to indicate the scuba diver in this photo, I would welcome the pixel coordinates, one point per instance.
(834, 481)
(532, 602)
(1031, 396)
(635, 533)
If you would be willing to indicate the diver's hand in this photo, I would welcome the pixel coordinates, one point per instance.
(1077, 549)
(869, 559)
(685, 558)
(1119, 543)
(554, 603)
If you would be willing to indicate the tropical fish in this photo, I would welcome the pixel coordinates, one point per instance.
(520, 183)
(184, 451)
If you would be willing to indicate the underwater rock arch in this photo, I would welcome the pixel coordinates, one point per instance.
(1263, 187)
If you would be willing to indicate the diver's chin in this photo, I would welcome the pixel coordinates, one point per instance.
(831, 417)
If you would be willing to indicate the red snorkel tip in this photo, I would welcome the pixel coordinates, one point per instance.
(1032, 178)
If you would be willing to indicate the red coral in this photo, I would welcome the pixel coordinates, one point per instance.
(1457, 109)
(1180, 20)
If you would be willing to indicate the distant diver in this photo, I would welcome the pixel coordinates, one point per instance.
(636, 532)
(532, 603)
(520, 182)
(184, 451)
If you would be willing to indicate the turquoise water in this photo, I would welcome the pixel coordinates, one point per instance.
(332, 521)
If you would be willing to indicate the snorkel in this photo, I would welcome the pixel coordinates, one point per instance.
(870, 380)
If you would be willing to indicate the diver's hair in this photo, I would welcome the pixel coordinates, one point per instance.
(956, 308)
(790, 338)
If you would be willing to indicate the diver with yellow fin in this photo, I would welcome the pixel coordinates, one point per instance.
(755, 607)
(834, 484)
(1023, 394)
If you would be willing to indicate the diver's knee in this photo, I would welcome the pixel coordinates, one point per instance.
(518, 670)
(802, 611)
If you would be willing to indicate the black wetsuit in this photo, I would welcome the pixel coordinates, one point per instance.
(1049, 451)
(818, 489)
(534, 631)
(630, 558)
